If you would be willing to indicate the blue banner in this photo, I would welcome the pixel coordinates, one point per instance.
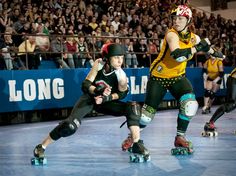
(60, 88)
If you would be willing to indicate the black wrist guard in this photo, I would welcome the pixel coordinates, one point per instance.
(106, 98)
(85, 86)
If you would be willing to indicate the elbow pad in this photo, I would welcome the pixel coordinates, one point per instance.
(85, 86)
(122, 94)
(181, 55)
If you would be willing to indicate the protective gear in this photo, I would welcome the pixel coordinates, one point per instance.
(207, 93)
(64, 129)
(85, 86)
(181, 55)
(203, 45)
(133, 114)
(212, 96)
(188, 105)
(112, 49)
(122, 94)
(217, 54)
(182, 10)
(148, 114)
(106, 98)
(221, 74)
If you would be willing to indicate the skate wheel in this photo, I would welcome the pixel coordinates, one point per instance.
(210, 134)
(215, 133)
(38, 161)
(204, 134)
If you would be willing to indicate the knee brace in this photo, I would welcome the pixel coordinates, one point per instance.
(207, 93)
(230, 106)
(64, 129)
(147, 115)
(212, 96)
(67, 128)
(188, 106)
(133, 114)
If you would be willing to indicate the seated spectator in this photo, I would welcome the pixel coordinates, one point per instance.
(42, 42)
(72, 48)
(59, 51)
(130, 57)
(27, 53)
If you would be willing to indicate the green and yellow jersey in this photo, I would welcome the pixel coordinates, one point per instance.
(165, 66)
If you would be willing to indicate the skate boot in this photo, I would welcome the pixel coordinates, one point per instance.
(206, 110)
(182, 146)
(39, 156)
(139, 153)
(127, 143)
(209, 130)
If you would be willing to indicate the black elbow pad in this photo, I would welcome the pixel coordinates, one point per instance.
(85, 86)
(122, 95)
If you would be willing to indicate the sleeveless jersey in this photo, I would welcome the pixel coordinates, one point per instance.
(165, 66)
(213, 68)
(108, 79)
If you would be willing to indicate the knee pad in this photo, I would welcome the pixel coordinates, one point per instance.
(207, 93)
(148, 114)
(188, 105)
(133, 113)
(67, 128)
(212, 96)
(230, 106)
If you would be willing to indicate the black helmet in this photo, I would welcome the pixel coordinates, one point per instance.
(112, 49)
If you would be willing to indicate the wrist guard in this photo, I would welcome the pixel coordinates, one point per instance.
(106, 98)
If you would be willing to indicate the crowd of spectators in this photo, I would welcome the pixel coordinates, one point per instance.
(72, 32)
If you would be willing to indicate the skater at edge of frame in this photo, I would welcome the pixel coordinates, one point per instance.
(228, 106)
(213, 73)
(167, 72)
(103, 88)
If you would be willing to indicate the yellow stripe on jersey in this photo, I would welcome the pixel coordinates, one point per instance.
(165, 66)
(233, 73)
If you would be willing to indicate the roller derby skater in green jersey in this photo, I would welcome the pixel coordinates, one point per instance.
(105, 85)
(228, 106)
(167, 73)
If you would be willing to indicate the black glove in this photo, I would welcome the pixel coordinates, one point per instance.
(203, 45)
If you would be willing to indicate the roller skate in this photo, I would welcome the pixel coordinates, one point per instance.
(139, 154)
(39, 156)
(182, 146)
(206, 110)
(127, 143)
(209, 130)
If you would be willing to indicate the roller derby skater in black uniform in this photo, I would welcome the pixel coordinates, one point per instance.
(104, 87)
(228, 106)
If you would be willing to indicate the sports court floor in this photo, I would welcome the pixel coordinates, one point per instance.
(95, 149)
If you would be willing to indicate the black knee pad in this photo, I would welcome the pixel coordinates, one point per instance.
(64, 129)
(207, 93)
(212, 96)
(133, 114)
(230, 106)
